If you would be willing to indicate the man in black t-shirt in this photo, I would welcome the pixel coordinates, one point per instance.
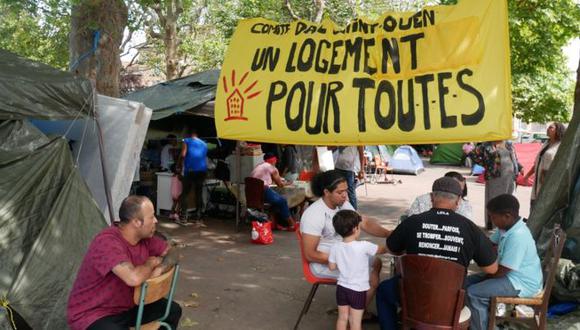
(440, 233)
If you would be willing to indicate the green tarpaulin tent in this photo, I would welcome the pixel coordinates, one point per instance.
(183, 95)
(448, 154)
(47, 214)
(559, 203)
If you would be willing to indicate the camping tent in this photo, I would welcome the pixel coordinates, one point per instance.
(406, 160)
(448, 154)
(47, 213)
(559, 203)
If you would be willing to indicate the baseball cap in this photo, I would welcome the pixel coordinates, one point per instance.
(448, 185)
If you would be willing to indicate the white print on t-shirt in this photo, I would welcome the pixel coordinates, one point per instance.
(436, 241)
(432, 226)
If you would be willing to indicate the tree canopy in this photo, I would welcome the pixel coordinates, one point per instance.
(187, 36)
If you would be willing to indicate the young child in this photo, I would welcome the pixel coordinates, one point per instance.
(352, 258)
(176, 189)
(520, 270)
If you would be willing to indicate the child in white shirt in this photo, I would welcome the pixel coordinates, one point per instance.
(353, 260)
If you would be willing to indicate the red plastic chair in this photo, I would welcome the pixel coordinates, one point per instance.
(310, 278)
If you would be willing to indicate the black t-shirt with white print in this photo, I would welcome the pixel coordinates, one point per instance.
(444, 234)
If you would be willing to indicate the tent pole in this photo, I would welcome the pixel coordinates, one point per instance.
(238, 181)
(103, 167)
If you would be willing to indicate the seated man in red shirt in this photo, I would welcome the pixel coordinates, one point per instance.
(119, 259)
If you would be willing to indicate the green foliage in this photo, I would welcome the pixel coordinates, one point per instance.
(541, 85)
(37, 30)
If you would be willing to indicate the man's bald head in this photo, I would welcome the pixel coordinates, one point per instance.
(131, 208)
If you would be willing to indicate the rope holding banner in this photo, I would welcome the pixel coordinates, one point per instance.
(4, 303)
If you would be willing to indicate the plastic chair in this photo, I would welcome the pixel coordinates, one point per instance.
(427, 301)
(151, 291)
(540, 302)
(310, 278)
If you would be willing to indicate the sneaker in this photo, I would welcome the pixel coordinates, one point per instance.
(173, 216)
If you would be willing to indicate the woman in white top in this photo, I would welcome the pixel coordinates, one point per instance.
(423, 203)
(544, 158)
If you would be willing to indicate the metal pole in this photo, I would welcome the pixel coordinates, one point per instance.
(103, 167)
(238, 183)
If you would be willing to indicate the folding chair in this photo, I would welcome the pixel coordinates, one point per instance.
(310, 278)
(151, 291)
(540, 302)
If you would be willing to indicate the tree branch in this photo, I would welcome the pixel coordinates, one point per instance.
(291, 11)
(319, 10)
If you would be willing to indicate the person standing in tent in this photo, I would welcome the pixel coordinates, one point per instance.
(501, 168)
(544, 159)
(193, 162)
(346, 163)
(119, 259)
(167, 158)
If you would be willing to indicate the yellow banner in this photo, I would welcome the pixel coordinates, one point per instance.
(441, 74)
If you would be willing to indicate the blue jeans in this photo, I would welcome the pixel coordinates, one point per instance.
(387, 303)
(278, 202)
(479, 293)
(349, 175)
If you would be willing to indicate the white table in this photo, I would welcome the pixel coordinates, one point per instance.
(164, 200)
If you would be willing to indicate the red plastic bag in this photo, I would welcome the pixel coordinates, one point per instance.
(262, 232)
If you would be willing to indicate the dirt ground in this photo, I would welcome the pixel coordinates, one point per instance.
(228, 283)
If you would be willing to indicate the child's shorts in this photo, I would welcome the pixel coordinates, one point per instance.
(348, 297)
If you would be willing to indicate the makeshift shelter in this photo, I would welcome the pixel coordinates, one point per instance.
(123, 125)
(48, 214)
(187, 95)
(448, 154)
(406, 160)
(559, 203)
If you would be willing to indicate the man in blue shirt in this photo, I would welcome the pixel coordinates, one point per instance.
(193, 154)
(519, 273)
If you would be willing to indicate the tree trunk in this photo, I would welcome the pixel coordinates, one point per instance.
(105, 20)
(168, 13)
(577, 93)
(171, 54)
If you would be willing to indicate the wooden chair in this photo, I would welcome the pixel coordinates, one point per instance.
(254, 190)
(540, 302)
(432, 294)
(151, 291)
(310, 278)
